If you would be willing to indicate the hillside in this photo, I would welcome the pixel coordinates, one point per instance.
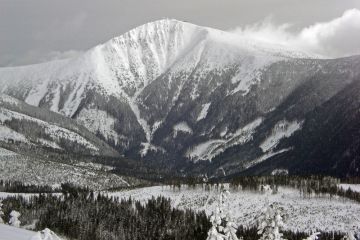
(200, 100)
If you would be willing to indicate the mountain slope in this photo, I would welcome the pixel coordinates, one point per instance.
(24, 127)
(329, 140)
(174, 93)
(42, 172)
(122, 71)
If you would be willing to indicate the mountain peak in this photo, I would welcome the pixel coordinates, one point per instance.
(159, 29)
(163, 24)
(182, 34)
(166, 21)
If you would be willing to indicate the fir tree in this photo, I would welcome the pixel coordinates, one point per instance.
(14, 218)
(270, 222)
(313, 236)
(1, 212)
(350, 235)
(223, 228)
(45, 234)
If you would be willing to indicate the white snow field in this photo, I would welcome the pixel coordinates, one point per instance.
(304, 214)
(12, 233)
(182, 127)
(213, 147)
(282, 129)
(29, 170)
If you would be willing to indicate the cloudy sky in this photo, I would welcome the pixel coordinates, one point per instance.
(33, 31)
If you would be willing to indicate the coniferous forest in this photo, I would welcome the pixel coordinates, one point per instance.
(81, 214)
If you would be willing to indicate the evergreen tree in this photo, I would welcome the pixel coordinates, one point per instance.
(45, 234)
(1, 212)
(270, 222)
(223, 228)
(313, 236)
(350, 235)
(14, 218)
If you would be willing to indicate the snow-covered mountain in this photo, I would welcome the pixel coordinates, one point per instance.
(172, 92)
(25, 128)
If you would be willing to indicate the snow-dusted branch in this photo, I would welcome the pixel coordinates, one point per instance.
(223, 228)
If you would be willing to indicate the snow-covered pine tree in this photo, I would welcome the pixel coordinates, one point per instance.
(271, 222)
(14, 218)
(45, 234)
(223, 228)
(1, 212)
(350, 235)
(313, 236)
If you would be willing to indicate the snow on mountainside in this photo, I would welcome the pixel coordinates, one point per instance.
(126, 65)
(31, 127)
(281, 129)
(182, 91)
(16, 167)
(212, 148)
(302, 213)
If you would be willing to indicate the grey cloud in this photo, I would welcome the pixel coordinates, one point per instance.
(32, 29)
(37, 56)
(338, 37)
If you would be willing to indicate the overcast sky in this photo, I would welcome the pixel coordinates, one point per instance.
(33, 31)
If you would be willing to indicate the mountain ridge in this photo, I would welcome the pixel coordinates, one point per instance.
(169, 90)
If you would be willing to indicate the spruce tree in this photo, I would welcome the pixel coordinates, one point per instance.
(223, 228)
(1, 212)
(271, 222)
(313, 236)
(350, 235)
(14, 219)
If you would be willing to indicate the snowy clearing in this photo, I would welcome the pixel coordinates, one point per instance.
(204, 111)
(264, 157)
(99, 121)
(304, 214)
(213, 147)
(12, 233)
(7, 135)
(55, 132)
(40, 172)
(182, 127)
(5, 152)
(282, 129)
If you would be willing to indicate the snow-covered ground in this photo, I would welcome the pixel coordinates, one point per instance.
(16, 167)
(282, 129)
(99, 121)
(213, 147)
(53, 131)
(304, 214)
(12, 233)
(5, 152)
(182, 127)
(204, 111)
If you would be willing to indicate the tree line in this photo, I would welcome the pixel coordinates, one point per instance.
(81, 214)
(308, 186)
(19, 187)
(85, 215)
